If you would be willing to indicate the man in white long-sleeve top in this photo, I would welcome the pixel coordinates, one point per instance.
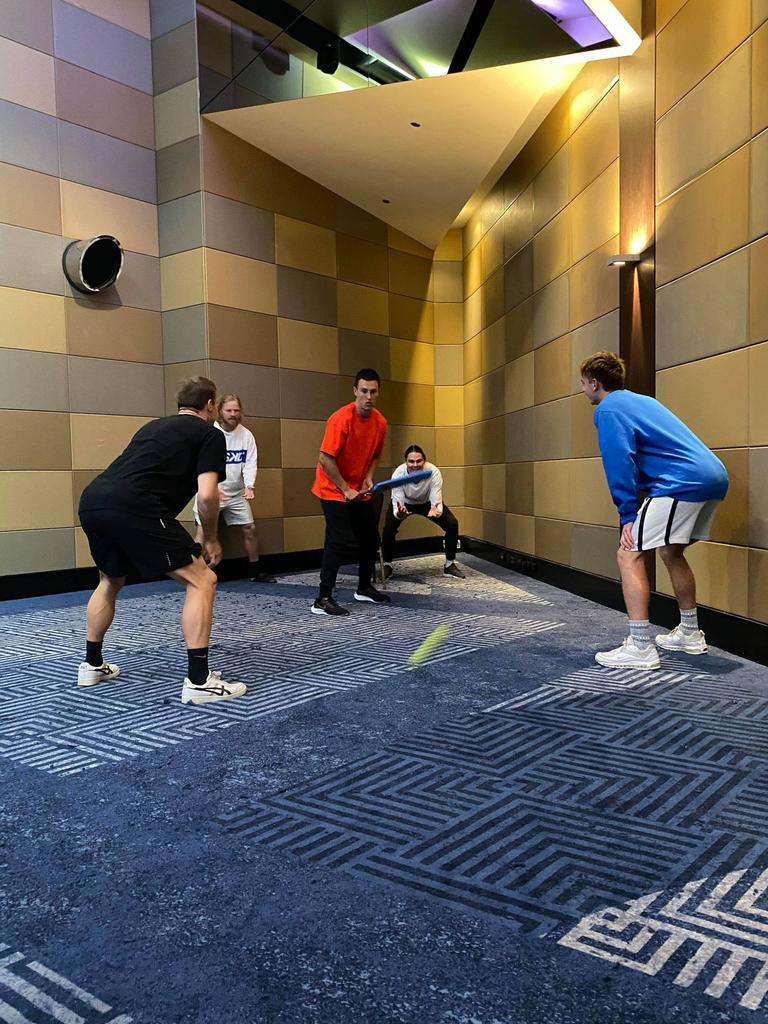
(424, 498)
(237, 490)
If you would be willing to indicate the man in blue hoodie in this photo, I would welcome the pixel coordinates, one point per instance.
(648, 451)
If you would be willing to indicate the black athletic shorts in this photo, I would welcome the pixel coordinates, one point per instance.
(125, 543)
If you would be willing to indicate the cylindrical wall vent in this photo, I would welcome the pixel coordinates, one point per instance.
(93, 264)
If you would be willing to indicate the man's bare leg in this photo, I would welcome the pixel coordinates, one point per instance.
(635, 582)
(687, 637)
(251, 542)
(201, 686)
(99, 616)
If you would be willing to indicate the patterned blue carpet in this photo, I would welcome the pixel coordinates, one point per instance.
(506, 833)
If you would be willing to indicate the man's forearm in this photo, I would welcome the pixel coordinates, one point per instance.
(208, 514)
(331, 470)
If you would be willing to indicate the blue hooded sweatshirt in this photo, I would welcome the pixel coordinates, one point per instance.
(647, 448)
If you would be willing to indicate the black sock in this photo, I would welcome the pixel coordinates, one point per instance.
(197, 660)
(93, 653)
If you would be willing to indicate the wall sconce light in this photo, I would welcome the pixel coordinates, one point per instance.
(623, 259)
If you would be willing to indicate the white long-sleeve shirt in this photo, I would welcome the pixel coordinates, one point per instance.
(242, 460)
(429, 490)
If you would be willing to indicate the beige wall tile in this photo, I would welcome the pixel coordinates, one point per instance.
(27, 77)
(125, 13)
(595, 213)
(182, 279)
(473, 358)
(413, 404)
(449, 364)
(552, 489)
(362, 262)
(411, 318)
(240, 282)
(90, 211)
(267, 434)
(518, 330)
(32, 320)
(518, 223)
(666, 10)
(473, 486)
(593, 549)
(98, 440)
(410, 275)
(553, 540)
(303, 533)
(709, 122)
(551, 310)
(493, 346)
(305, 246)
(450, 248)
(583, 434)
(701, 34)
(552, 430)
(595, 144)
(492, 249)
(363, 309)
(305, 346)
(705, 312)
(594, 286)
(35, 440)
(301, 442)
(704, 220)
(472, 523)
(473, 271)
(83, 558)
(759, 12)
(29, 199)
(589, 88)
(21, 507)
(597, 336)
(298, 499)
(473, 314)
(550, 189)
(397, 240)
(590, 498)
(449, 406)
(449, 446)
(758, 293)
(758, 407)
(552, 370)
(519, 497)
(473, 401)
(447, 282)
(708, 395)
(760, 79)
(552, 249)
(453, 485)
(177, 114)
(521, 533)
(114, 332)
(268, 494)
(400, 435)
(411, 361)
(757, 597)
(758, 200)
(449, 323)
(242, 336)
(732, 521)
(756, 504)
(519, 383)
(494, 488)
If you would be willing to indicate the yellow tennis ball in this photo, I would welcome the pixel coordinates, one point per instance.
(424, 650)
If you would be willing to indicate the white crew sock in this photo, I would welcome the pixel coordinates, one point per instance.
(689, 619)
(640, 631)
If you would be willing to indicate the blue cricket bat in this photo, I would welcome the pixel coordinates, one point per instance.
(402, 481)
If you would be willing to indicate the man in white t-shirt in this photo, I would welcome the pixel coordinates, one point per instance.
(237, 490)
(424, 498)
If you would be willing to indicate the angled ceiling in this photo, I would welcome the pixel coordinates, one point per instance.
(362, 144)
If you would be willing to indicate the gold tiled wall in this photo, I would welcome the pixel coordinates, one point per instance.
(712, 271)
(538, 298)
(300, 289)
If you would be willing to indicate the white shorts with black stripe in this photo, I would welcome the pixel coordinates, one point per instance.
(662, 521)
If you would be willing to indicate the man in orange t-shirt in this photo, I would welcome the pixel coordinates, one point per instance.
(349, 453)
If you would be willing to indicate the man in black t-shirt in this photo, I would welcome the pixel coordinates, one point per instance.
(129, 514)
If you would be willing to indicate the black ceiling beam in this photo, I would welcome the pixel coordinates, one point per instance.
(470, 35)
(316, 37)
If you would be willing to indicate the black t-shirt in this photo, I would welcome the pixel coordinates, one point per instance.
(157, 473)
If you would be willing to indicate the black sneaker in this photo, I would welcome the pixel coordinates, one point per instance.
(327, 606)
(454, 570)
(370, 593)
(262, 576)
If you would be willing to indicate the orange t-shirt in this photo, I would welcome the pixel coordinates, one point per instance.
(354, 442)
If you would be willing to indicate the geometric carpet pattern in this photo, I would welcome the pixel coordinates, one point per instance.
(50, 724)
(31, 993)
(623, 813)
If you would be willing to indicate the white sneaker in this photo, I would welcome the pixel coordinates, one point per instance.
(89, 675)
(214, 688)
(680, 640)
(629, 655)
